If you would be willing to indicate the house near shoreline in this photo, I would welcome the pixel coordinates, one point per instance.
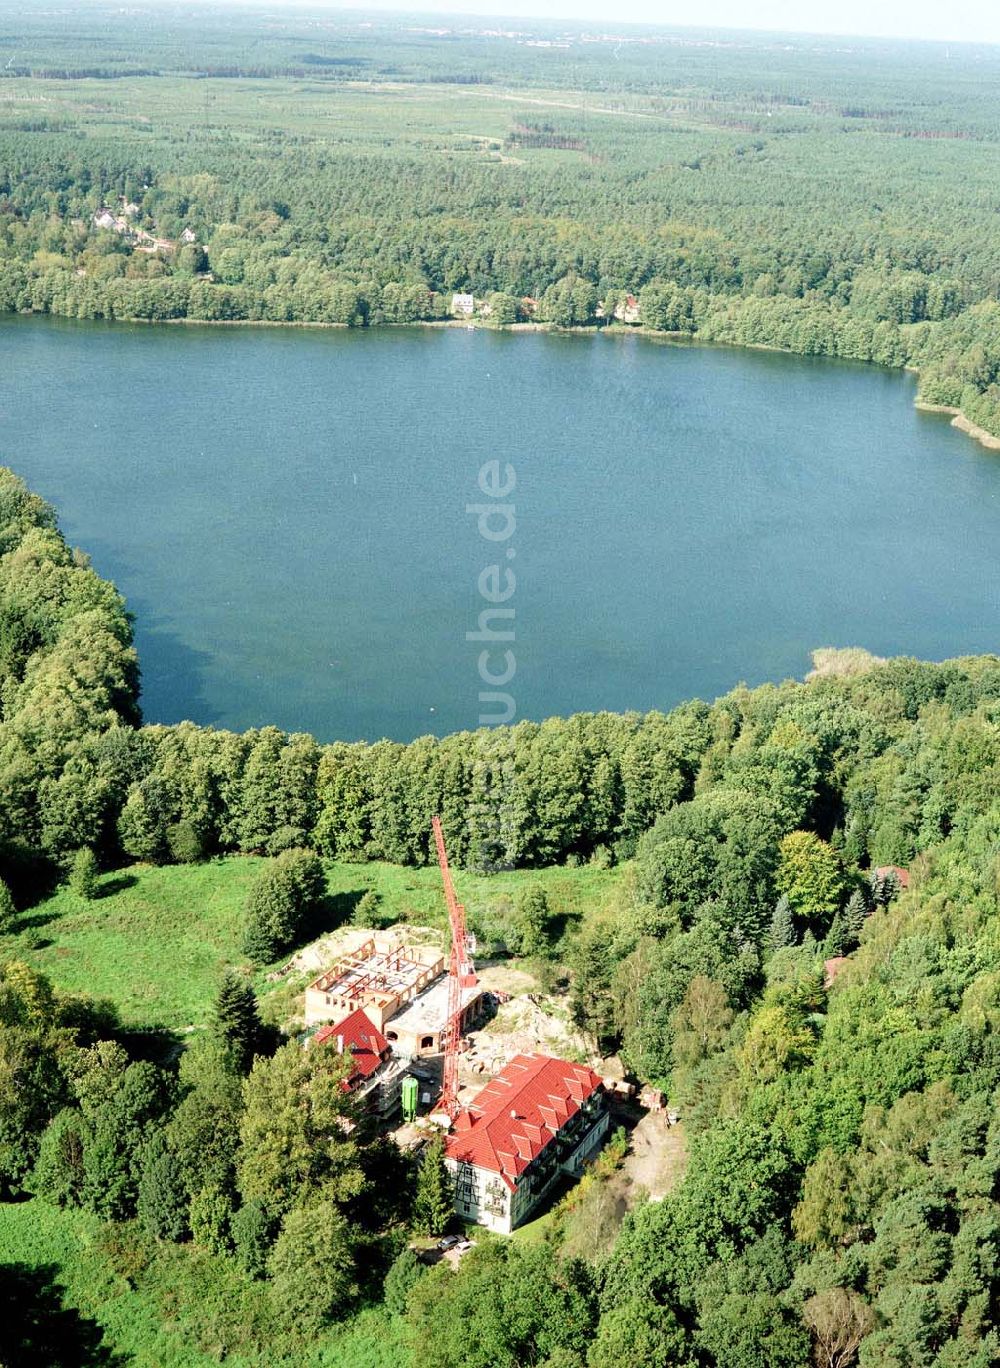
(628, 310)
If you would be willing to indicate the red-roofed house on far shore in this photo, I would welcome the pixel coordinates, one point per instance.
(377, 1077)
(540, 1118)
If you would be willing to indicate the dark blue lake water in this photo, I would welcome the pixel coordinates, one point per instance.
(285, 511)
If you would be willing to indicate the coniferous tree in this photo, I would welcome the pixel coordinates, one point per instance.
(8, 912)
(252, 1235)
(884, 887)
(856, 914)
(236, 1021)
(366, 911)
(83, 878)
(782, 932)
(836, 942)
(405, 1272)
(161, 1202)
(432, 1206)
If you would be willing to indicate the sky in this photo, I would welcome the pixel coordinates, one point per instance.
(975, 21)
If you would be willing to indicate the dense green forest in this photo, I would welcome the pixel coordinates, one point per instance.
(835, 198)
(197, 1200)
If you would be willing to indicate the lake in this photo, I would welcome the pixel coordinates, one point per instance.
(286, 513)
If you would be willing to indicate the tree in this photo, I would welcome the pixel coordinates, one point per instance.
(433, 1204)
(884, 887)
(209, 1214)
(33, 1085)
(745, 1317)
(120, 1103)
(503, 308)
(506, 1305)
(252, 1235)
(640, 1332)
(293, 1136)
(161, 1202)
(312, 1266)
(143, 821)
(8, 912)
(826, 1214)
(272, 914)
(404, 1273)
(782, 931)
(855, 915)
(191, 259)
(286, 893)
(701, 1022)
(83, 875)
(204, 1126)
(529, 924)
(839, 1320)
(811, 876)
(837, 941)
(366, 911)
(236, 1022)
(184, 842)
(58, 1175)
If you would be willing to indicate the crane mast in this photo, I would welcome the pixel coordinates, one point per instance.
(461, 975)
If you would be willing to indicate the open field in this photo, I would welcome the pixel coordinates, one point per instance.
(158, 938)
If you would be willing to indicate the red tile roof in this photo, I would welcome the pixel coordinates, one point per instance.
(903, 875)
(831, 968)
(518, 1113)
(366, 1042)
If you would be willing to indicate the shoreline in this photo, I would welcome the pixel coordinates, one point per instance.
(964, 424)
(959, 420)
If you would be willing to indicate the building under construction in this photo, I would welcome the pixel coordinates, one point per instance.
(402, 990)
(379, 977)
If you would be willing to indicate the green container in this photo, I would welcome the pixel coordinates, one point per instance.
(411, 1093)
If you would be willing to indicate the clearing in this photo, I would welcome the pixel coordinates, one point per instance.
(157, 939)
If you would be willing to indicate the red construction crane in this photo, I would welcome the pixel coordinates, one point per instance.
(461, 975)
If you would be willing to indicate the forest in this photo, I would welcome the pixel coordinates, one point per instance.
(194, 1199)
(819, 197)
(780, 906)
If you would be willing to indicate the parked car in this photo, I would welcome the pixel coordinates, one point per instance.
(449, 1242)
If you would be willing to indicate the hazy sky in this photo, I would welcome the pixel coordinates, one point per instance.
(953, 20)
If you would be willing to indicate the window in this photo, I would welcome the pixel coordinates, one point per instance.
(427, 1042)
(466, 1206)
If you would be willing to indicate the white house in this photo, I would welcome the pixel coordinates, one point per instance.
(540, 1118)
